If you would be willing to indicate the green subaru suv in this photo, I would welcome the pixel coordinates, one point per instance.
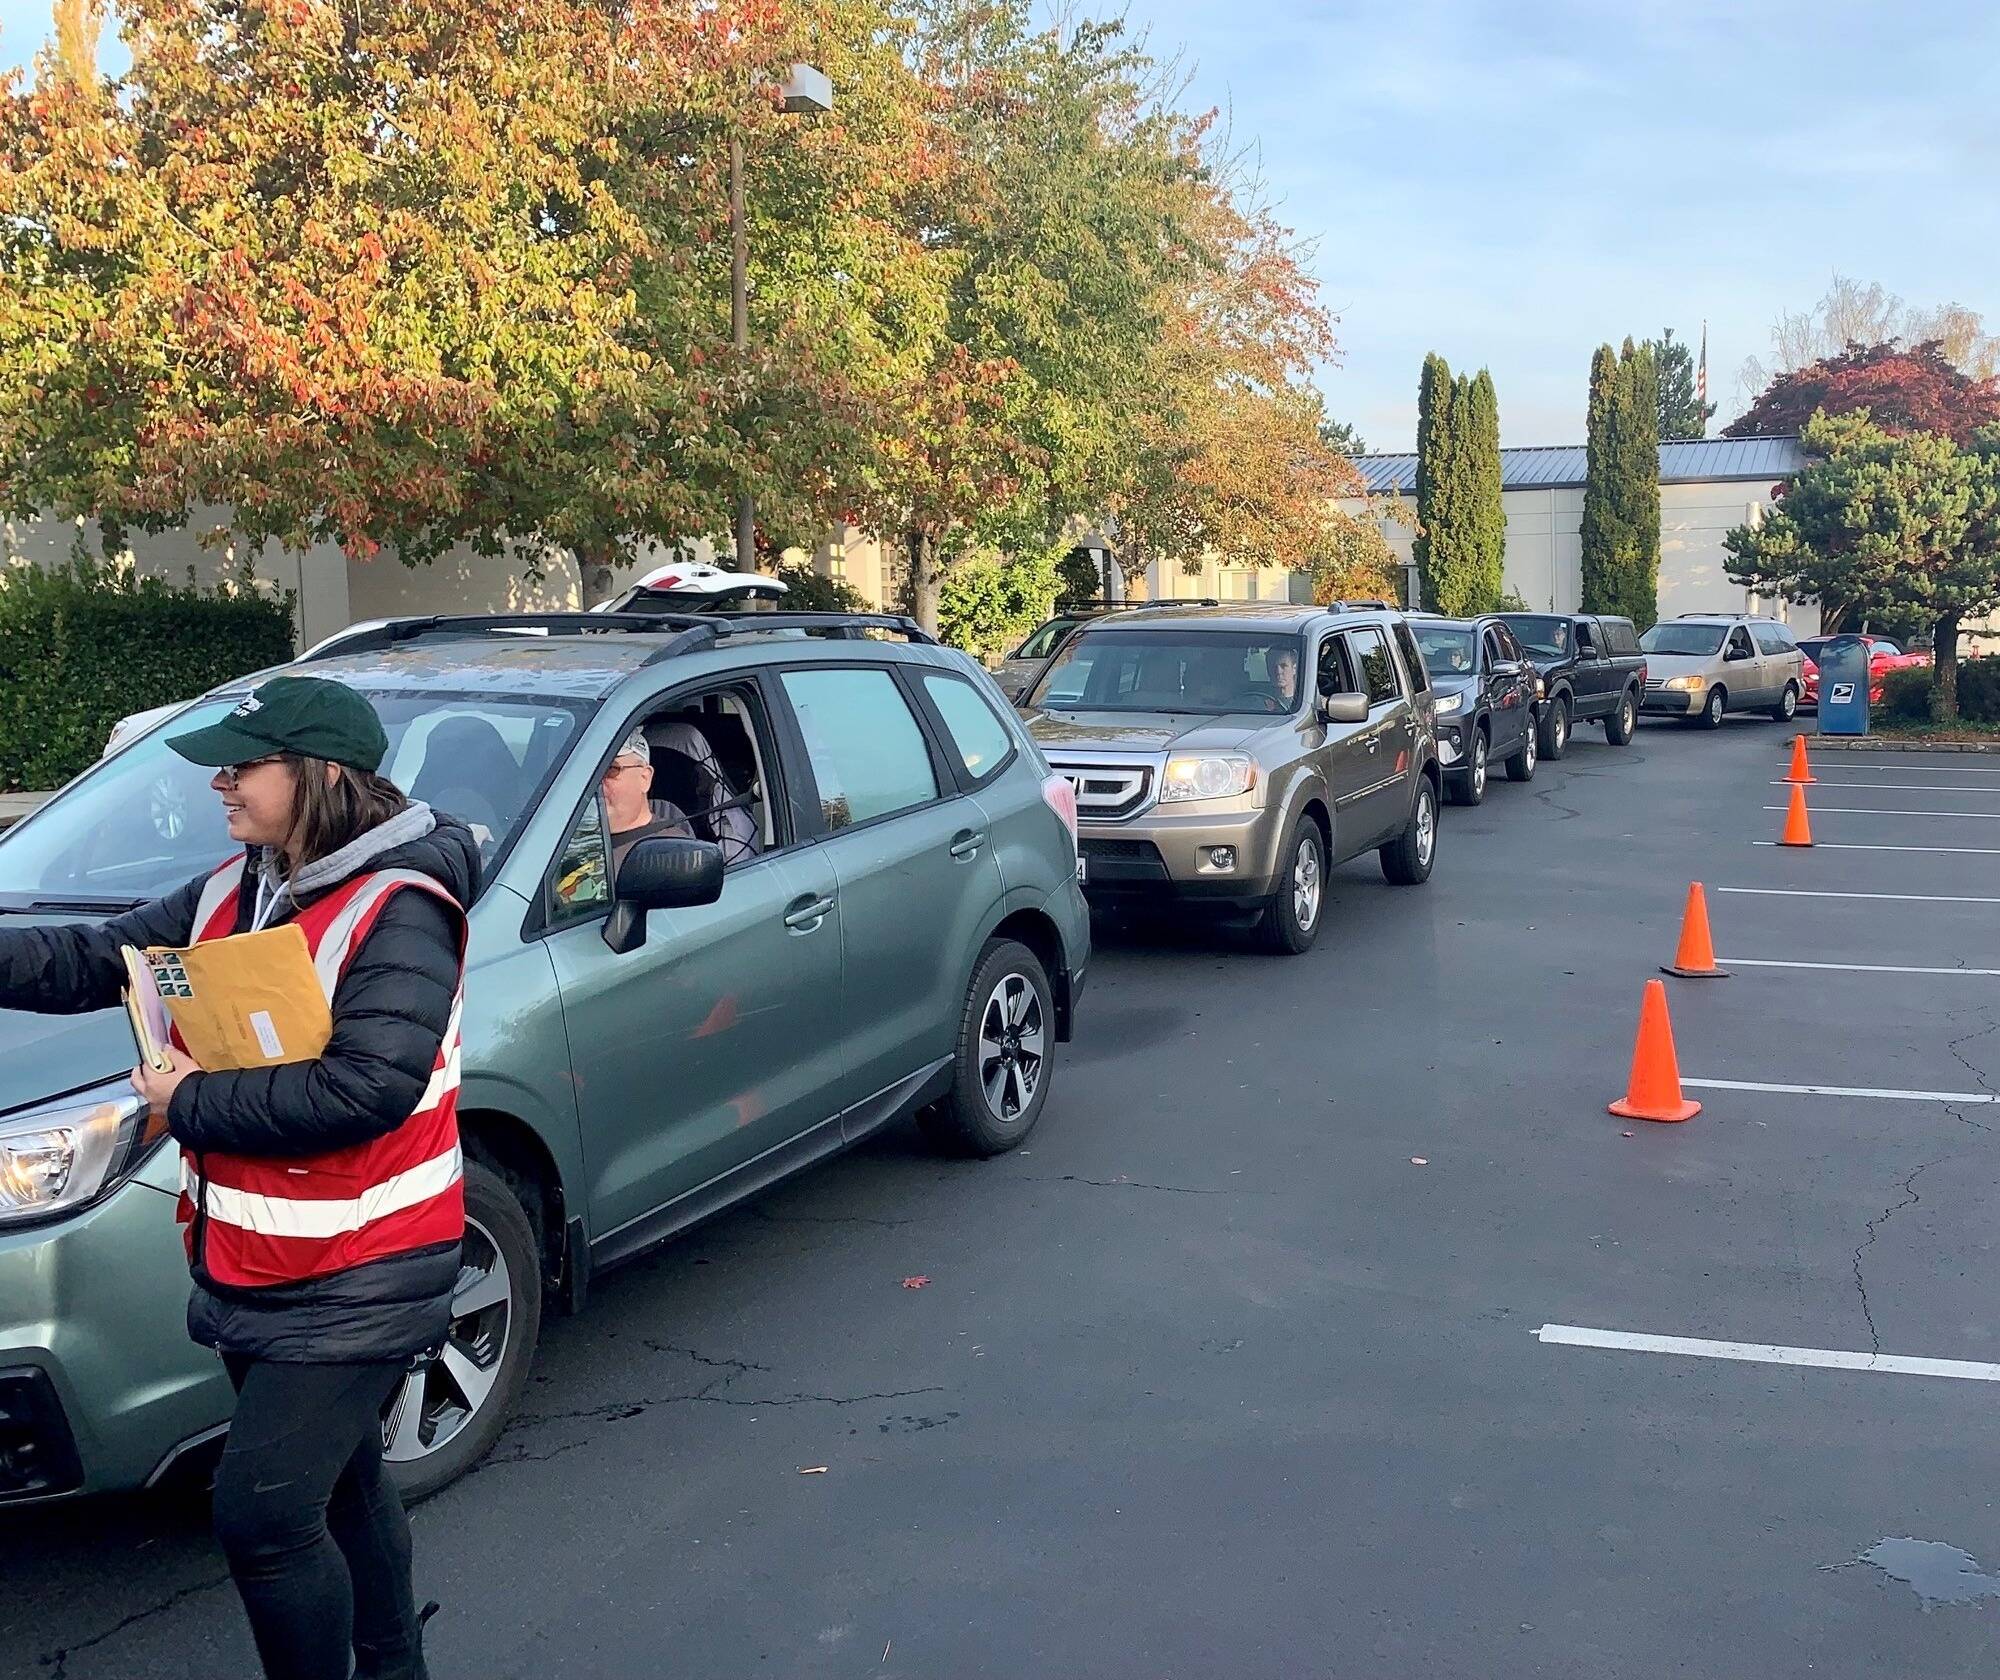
(878, 914)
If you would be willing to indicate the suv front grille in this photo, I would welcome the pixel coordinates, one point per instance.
(1106, 792)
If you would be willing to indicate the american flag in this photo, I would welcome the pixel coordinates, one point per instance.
(1701, 371)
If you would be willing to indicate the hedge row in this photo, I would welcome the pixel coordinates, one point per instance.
(1906, 694)
(83, 645)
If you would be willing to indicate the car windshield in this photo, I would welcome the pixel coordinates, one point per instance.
(1811, 645)
(1698, 640)
(1214, 673)
(1547, 636)
(1042, 643)
(145, 821)
(1447, 649)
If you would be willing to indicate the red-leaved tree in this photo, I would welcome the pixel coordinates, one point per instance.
(1914, 389)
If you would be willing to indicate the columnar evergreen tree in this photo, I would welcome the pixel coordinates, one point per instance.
(1486, 516)
(1433, 431)
(1638, 444)
(1603, 532)
(1621, 496)
(1683, 415)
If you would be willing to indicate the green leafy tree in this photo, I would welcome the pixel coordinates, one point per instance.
(1434, 393)
(1683, 415)
(1461, 525)
(1908, 522)
(1341, 435)
(1485, 513)
(1604, 537)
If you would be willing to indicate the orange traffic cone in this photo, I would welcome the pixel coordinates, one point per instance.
(1654, 1090)
(1801, 772)
(1695, 960)
(1798, 832)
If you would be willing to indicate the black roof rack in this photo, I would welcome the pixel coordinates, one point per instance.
(1364, 606)
(697, 630)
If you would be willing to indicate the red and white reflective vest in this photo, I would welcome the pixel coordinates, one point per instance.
(252, 1221)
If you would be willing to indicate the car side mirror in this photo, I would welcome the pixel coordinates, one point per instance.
(1507, 667)
(1737, 653)
(660, 874)
(1343, 708)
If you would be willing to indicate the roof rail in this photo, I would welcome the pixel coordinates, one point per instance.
(1169, 601)
(1365, 606)
(393, 632)
(705, 629)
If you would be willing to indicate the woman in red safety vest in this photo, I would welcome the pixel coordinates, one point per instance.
(322, 1201)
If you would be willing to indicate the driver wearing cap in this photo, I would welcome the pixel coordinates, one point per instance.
(633, 813)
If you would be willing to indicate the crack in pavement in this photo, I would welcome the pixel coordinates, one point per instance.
(1990, 1025)
(1548, 797)
(619, 1411)
(1128, 1184)
(1910, 1199)
(739, 1366)
(769, 1218)
(57, 1661)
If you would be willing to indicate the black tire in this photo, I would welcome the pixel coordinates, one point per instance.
(1407, 859)
(1714, 707)
(1554, 728)
(1522, 761)
(497, 1223)
(1623, 723)
(1293, 913)
(1005, 1056)
(1468, 787)
(1787, 708)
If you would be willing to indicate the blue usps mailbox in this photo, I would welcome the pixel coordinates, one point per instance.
(1843, 686)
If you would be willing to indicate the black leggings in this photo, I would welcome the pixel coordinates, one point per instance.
(313, 1529)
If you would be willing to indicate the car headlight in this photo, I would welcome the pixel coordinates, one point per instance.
(69, 1153)
(1448, 704)
(1541, 687)
(1685, 685)
(1208, 776)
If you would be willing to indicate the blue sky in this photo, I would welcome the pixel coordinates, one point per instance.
(1510, 184)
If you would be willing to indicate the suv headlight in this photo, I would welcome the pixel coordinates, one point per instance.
(1208, 776)
(1685, 685)
(1449, 705)
(69, 1153)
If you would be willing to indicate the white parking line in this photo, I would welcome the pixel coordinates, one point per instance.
(1894, 787)
(1846, 968)
(1768, 1353)
(1842, 1091)
(1898, 898)
(1870, 811)
(1917, 769)
(1932, 851)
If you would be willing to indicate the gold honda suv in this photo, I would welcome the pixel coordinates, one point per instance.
(1225, 757)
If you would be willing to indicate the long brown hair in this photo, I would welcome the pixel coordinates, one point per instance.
(328, 811)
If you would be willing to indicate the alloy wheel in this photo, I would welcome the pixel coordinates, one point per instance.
(1306, 884)
(1012, 1045)
(1529, 749)
(1561, 731)
(1478, 766)
(441, 1396)
(1426, 826)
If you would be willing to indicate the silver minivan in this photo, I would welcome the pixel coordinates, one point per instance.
(1702, 665)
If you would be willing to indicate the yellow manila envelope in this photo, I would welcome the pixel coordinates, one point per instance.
(251, 1000)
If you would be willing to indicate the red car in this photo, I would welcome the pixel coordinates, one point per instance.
(1883, 655)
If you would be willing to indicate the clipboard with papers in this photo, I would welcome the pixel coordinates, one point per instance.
(248, 1001)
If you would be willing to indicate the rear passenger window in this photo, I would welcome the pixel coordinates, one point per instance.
(1336, 676)
(1413, 663)
(1378, 670)
(867, 753)
(1769, 639)
(980, 739)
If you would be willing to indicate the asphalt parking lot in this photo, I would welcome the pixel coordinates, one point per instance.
(1235, 1370)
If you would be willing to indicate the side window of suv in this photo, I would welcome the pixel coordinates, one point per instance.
(1586, 641)
(867, 753)
(982, 742)
(1336, 675)
(1739, 641)
(1413, 661)
(1771, 638)
(1378, 670)
(580, 881)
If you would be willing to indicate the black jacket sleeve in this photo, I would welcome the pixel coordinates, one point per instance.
(66, 970)
(390, 1012)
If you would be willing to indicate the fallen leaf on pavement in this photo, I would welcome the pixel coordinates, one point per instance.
(915, 1282)
(1419, 1161)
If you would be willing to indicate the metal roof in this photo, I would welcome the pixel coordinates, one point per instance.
(1564, 466)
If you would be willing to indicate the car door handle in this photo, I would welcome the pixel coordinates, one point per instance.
(965, 843)
(807, 913)
(1374, 743)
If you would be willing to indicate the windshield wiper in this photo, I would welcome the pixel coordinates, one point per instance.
(76, 906)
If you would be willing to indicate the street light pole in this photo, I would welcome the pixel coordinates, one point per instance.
(805, 89)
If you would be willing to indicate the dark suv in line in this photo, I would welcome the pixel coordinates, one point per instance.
(1486, 700)
(879, 913)
(1592, 672)
(1228, 756)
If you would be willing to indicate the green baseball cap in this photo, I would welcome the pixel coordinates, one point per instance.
(309, 716)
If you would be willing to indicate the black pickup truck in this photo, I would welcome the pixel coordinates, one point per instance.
(1591, 670)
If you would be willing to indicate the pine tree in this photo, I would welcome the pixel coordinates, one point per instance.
(1682, 415)
(1485, 511)
(1603, 531)
(1434, 391)
(1637, 453)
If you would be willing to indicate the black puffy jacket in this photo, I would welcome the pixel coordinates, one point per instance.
(390, 1011)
